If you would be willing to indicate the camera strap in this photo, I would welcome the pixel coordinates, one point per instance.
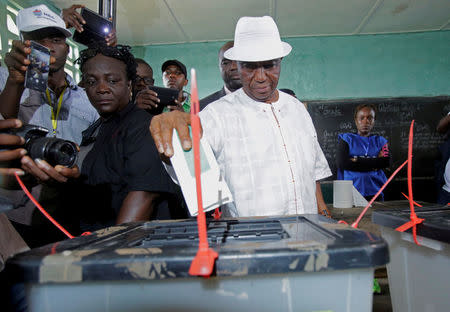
(58, 108)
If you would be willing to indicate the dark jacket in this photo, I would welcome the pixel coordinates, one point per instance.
(211, 98)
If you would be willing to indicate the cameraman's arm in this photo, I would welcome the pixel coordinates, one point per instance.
(137, 206)
(8, 155)
(44, 172)
(17, 63)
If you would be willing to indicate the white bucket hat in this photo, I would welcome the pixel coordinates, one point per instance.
(257, 39)
(38, 17)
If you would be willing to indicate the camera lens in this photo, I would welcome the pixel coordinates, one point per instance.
(54, 151)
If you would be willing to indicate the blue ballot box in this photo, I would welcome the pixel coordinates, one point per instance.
(419, 276)
(291, 263)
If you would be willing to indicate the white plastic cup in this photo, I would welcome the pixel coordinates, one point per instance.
(342, 194)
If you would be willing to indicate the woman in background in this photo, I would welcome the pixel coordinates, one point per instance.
(362, 156)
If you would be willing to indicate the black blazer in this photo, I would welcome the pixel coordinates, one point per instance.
(211, 98)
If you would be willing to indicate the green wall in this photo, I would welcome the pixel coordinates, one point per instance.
(414, 64)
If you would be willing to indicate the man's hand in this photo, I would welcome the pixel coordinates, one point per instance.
(321, 206)
(147, 99)
(9, 139)
(44, 172)
(74, 19)
(177, 107)
(111, 38)
(161, 128)
(17, 61)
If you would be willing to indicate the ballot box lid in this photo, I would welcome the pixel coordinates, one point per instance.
(165, 249)
(436, 224)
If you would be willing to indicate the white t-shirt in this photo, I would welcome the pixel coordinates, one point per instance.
(267, 153)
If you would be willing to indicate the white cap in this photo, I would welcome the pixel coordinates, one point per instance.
(38, 17)
(257, 39)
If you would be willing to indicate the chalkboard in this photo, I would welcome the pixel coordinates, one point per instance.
(393, 119)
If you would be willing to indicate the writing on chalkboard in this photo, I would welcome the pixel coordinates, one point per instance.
(393, 119)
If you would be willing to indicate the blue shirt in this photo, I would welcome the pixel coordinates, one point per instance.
(366, 182)
(75, 116)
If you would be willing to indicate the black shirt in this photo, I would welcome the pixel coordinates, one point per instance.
(123, 158)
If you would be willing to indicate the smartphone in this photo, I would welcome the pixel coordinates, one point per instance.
(166, 96)
(36, 76)
(96, 28)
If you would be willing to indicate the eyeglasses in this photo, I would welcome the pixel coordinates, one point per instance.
(147, 81)
(267, 65)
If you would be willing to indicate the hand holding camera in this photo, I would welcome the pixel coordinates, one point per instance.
(46, 152)
(6, 156)
(90, 26)
(18, 62)
(147, 99)
(154, 99)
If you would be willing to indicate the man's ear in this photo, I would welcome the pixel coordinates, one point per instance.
(67, 49)
(185, 82)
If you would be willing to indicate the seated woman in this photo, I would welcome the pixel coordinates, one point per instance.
(121, 158)
(362, 156)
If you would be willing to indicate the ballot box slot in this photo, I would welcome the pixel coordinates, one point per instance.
(218, 233)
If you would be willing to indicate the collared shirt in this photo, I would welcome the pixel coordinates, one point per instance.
(267, 153)
(187, 102)
(76, 114)
(227, 91)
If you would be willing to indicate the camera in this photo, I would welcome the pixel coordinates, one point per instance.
(95, 29)
(53, 150)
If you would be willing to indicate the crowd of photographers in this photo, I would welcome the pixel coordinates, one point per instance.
(84, 150)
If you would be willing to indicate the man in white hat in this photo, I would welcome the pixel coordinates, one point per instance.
(264, 140)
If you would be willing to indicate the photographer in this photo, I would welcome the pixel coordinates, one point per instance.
(39, 171)
(63, 107)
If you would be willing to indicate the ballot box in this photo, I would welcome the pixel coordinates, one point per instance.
(419, 276)
(293, 263)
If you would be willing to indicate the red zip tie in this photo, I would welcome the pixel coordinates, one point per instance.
(217, 214)
(355, 224)
(45, 213)
(417, 204)
(414, 219)
(203, 262)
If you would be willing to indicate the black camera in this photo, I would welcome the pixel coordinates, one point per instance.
(96, 28)
(53, 150)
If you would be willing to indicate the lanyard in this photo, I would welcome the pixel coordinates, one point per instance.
(55, 116)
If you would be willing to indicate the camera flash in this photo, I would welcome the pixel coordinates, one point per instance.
(106, 30)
